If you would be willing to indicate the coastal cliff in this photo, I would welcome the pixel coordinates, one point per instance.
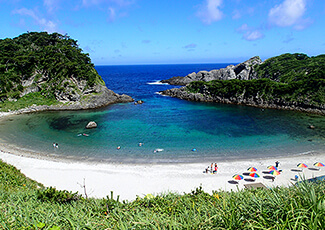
(242, 71)
(41, 71)
(289, 81)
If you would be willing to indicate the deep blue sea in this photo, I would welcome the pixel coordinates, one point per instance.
(216, 131)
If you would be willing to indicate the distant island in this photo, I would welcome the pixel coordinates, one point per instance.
(288, 81)
(41, 71)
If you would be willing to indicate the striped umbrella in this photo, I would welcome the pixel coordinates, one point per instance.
(271, 167)
(302, 165)
(318, 164)
(238, 177)
(252, 169)
(254, 175)
(275, 172)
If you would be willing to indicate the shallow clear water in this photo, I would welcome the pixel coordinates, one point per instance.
(216, 131)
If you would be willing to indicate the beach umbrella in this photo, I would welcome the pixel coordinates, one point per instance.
(318, 164)
(302, 165)
(254, 175)
(275, 172)
(271, 167)
(252, 169)
(238, 177)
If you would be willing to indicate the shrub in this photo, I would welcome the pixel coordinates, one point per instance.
(58, 196)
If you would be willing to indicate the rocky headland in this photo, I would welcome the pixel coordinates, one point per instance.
(41, 71)
(244, 84)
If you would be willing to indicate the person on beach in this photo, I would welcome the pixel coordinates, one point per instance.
(215, 168)
(277, 164)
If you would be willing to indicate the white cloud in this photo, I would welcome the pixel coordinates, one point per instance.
(288, 13)
(44, 23)
(250, 34)
(111, 14)
(210, 11)
(114, 7)
(120, 3)
(253, 35)
(51, 5)
(190, 46)
(236, 14)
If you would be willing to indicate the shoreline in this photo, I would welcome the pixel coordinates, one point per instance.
(131, 180)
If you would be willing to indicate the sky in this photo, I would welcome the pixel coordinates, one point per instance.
(126, 32)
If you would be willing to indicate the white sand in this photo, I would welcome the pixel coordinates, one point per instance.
(128, 181)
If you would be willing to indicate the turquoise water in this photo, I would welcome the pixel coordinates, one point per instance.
(216, 131)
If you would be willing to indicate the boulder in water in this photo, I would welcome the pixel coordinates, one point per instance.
(91, 125)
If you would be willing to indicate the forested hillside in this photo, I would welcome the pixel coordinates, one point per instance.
(43, 68)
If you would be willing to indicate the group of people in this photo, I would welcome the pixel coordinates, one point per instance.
(212, 169)
(55, 145)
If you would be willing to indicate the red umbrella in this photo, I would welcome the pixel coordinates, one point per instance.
(254, 175)
(238, 177)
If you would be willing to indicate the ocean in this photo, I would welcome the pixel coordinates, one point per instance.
(163, 129)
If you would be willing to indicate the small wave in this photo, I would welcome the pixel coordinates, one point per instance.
(157, 83)
(159, 93)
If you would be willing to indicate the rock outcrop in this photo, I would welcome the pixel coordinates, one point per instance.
(242, 71)
(91, 125)
(257, 101)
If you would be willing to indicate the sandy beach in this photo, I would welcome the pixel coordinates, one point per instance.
(130, 181)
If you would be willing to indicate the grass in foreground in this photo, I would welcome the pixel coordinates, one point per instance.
(25, 204)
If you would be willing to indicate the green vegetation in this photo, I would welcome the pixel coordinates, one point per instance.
(43, 61)
(292, 78)
(25, 204)
(28, 100)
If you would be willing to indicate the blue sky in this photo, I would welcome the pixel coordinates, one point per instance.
(116, 32)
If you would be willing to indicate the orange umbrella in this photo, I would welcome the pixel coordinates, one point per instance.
(252, 169)
(302, 165)
(271, 167)
(275, 172)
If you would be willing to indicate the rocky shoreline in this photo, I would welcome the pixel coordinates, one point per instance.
(101, 97)
(258, 102)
